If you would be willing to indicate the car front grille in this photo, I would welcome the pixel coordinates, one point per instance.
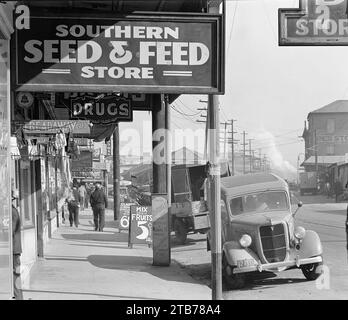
(273, 242)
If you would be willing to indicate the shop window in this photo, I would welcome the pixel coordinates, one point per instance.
(330, 126)
(330, 149)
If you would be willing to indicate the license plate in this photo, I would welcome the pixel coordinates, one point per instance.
(245, 263)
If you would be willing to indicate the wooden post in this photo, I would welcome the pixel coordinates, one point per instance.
(232, 143)
(56, 187)
(244, 144)
(161, 240)
(158, 122)
(39, 219)
(214, 183)
(116, 171)
(48, 212)
(168, 151)
(215, 196)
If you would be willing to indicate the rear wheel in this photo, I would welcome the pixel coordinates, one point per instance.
(312, 271)
(233, 281)
(180, 231)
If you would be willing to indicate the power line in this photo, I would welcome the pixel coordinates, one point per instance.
(174, 107)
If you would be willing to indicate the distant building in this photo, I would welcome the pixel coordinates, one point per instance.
(326, 132)
(187, 156)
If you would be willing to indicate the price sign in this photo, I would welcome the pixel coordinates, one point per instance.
(140, 231)
(125, 213)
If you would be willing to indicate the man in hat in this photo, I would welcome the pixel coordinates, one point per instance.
(99, 202)
(16, 248)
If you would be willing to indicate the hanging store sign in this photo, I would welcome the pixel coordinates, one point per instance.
(137, 53)
(139, 101)
(83, 161)
(24, 99)
(83, 142)
(35, 127)
(316, 22)
(105, 110)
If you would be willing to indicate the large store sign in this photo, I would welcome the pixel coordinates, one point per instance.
(316, 22)
(150, 54)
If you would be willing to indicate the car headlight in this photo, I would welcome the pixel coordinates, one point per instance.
(300, 232)
(245, 241)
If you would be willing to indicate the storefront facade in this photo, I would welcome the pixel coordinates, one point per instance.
(5, 180)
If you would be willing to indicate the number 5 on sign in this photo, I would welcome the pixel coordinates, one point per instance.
(145, 230)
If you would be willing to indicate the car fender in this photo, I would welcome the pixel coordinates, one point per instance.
(234, 252)
(310, 245)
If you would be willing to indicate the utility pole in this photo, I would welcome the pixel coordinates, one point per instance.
(206, 128)
(225, 137)
(214, 180)
(244, 144)
(215, 196)
(316, 154)
(116, 171)
(260, 156)
(253, 157)
(250, 162)
(232, 144)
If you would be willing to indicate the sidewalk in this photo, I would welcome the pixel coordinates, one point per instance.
(81, 263)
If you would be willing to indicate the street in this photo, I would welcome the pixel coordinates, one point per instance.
(327, 219)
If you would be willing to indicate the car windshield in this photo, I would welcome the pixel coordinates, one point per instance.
(259, 202)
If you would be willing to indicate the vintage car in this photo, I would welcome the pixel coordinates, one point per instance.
(259, 233)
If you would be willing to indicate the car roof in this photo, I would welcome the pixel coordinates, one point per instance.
(254, 182)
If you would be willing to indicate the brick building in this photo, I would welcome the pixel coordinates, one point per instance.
(326, 136)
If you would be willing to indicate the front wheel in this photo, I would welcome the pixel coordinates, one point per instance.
(233, 281)
(312, 271)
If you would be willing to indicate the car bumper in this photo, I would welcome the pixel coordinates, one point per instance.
(271, 266)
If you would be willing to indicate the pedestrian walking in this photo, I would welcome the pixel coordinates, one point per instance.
(73, 202)
(82, 193)
(16, 248)
(99, 202)
(88, 194)
(338, 189)
(328, 189)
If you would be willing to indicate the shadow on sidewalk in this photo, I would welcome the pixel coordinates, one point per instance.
(97, 236)
(139, 264)
(87, 294)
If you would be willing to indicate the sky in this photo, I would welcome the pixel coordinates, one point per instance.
(269, 90)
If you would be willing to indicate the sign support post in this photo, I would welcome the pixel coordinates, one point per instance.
(161, 241)
(116, 169)
(214, 183)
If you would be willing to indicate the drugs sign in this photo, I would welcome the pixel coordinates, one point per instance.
(137, 53)
(316, 22)
(109, 109)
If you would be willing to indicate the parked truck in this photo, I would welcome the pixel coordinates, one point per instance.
(308, 182)
(189, 209)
